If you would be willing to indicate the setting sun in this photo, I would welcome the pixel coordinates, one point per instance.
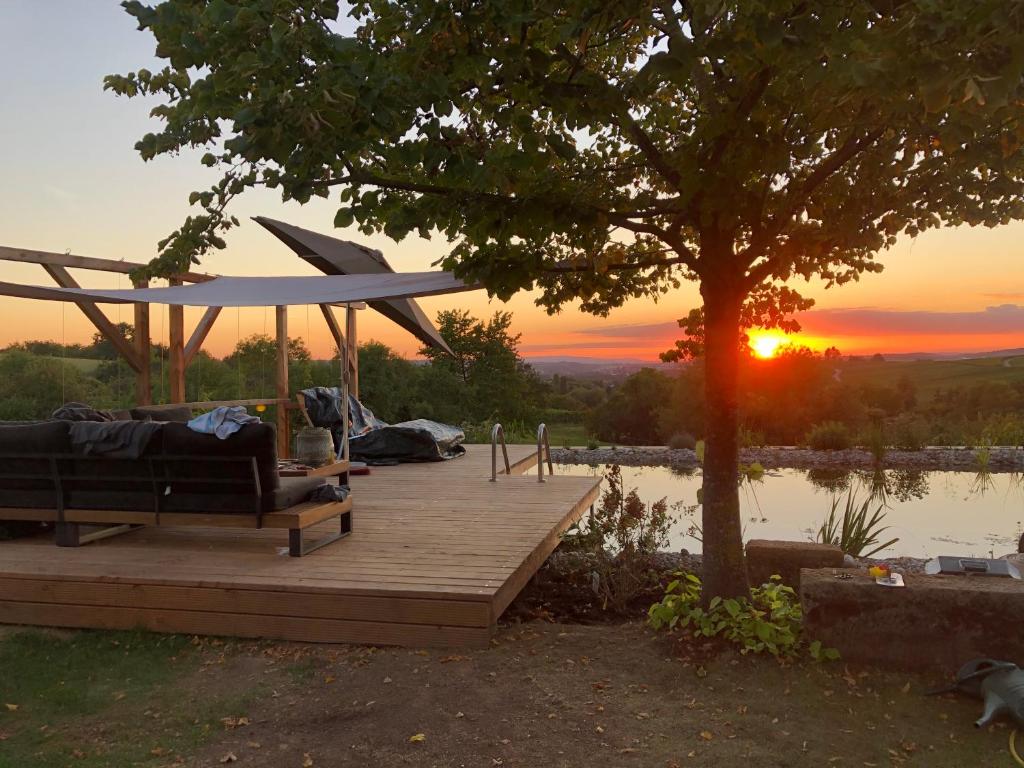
(766, 345)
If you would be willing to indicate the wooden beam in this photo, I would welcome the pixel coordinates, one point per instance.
(29, 256)
(202, 330)
(176, 349)
(110, 331)
(332, 325)
(353, 351)
(143, 376)
(283, 438)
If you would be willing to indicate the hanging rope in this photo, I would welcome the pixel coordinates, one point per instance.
(263, 362)
(63, 354)
(117, 359)
(238, 340)
(161, 349)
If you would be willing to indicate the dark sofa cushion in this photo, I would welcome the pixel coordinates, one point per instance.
(179, 414)
(22, 439)
(35, 437)
(255, 440)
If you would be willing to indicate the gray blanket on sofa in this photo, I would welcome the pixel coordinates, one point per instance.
(116, 439)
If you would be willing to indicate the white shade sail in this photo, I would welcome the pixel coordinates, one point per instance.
(263, 291)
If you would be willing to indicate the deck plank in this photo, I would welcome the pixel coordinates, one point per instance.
(436, 555)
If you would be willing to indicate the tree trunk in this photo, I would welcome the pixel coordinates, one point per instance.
(725, 569)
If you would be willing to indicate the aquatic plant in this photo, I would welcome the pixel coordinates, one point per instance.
(855, 528)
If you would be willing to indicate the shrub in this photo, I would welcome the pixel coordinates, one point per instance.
(910, 434)
(682, 441)
(829, 436)
(875, 442)
(854, 531)
(770, 621)
(622, 536)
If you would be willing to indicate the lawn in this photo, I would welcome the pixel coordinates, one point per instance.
(543, 695)
(104, 699)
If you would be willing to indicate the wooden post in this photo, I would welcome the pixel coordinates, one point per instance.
(176, 351)
(343, 356)
(353, 350)
(143, 377)
(283, 438)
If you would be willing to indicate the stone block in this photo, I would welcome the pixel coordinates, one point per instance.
(934, 623)
(766, 558)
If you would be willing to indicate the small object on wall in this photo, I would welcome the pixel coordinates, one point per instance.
(971, 566)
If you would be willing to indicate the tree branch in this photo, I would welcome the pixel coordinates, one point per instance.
(570, 268)
(778, 223)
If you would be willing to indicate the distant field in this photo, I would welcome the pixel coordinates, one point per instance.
(84, 364)
(931, 375)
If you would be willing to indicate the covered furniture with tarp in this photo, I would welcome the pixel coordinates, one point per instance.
(374, 441)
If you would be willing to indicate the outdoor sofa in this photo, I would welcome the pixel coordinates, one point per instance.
(180, 477)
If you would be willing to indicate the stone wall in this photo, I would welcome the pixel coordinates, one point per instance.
(935, 623)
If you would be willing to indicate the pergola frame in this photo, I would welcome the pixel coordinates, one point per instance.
(182, 352)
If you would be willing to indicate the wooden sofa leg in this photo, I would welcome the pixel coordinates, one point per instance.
(296, 543)
(68, 535)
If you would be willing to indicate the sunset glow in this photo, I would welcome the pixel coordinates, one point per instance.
(766, 344)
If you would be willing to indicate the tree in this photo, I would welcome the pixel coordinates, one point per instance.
(606, 150)
(492, 379)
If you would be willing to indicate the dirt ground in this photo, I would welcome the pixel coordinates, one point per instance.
(571, 695)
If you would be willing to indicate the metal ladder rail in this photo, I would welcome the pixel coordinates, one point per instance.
(497, 431)
(542, 442)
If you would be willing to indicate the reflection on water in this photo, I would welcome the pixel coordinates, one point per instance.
(932, 513)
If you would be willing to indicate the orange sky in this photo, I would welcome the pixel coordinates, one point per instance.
(73, 182)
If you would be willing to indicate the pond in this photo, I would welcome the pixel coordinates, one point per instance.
(932, 513)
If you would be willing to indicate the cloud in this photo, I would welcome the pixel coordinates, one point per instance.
(1013, 296)
(853, 321)
(1002, 319)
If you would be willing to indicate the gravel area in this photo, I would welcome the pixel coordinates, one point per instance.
(953, 459)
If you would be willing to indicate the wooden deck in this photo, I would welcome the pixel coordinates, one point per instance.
(437, 554)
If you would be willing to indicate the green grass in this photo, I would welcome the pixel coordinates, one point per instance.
(931, 375)
(97, 699)
(573, 435)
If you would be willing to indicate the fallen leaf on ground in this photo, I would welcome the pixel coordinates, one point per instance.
(11, 707)
(707, 735)
(418, 737)
(307, 761)
(230, 757)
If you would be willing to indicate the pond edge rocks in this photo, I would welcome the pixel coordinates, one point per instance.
(935, 458)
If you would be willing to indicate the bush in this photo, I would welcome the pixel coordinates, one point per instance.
(910, 434)
(874, 440)
(771, 621)
(682, 441)
(829, 436)
(622, 535)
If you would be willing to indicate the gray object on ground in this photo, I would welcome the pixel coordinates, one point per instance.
(1000, 684)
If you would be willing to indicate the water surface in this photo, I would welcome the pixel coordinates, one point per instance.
(932, 513)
